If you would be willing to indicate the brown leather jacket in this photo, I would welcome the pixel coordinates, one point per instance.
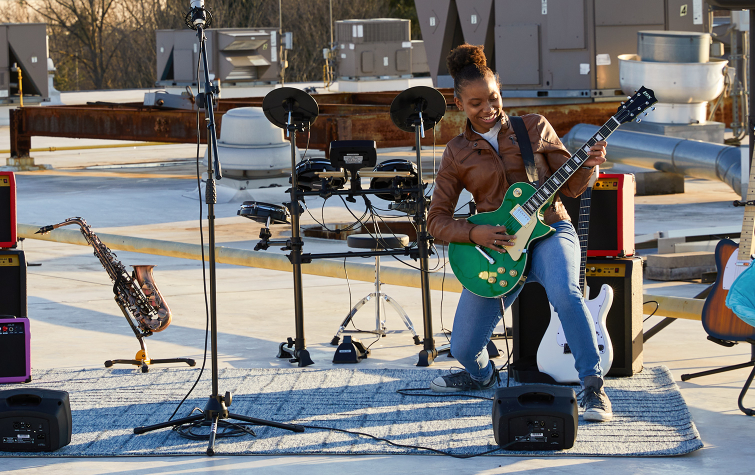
(470, 162)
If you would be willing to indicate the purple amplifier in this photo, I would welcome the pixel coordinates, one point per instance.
(15, 346)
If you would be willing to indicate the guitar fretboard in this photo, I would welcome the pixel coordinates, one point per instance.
(557, 180)
(583, 230)
(748, 223)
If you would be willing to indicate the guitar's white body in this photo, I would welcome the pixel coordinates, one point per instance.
(558, 364)
(734, 267)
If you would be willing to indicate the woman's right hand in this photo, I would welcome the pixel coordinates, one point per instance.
(492, 237)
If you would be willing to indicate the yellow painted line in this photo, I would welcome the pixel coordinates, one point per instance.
(93, 147)
(107, 174)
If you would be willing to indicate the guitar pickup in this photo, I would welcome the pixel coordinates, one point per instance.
(485, 255)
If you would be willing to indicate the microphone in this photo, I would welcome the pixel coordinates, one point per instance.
(198, 16)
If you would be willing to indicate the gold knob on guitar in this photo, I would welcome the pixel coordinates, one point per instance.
(491, 280)
(503, 283)
(513, 273)
(517, 192)
(501, 270)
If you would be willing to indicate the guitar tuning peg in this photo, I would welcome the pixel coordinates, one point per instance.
(646, 113)
(638, 120)
(652, 108)
(629, 97)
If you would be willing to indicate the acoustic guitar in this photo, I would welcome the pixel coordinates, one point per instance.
(554, 357)
(493, 273)
(731, 260)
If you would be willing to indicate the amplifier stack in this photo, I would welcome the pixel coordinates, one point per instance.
(610, 243)
(15, 336)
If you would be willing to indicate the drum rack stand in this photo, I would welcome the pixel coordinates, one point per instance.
(295, 348)
(291, 109)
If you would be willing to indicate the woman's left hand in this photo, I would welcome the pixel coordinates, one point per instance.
(597, 154)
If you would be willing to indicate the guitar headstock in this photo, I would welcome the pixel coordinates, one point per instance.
(630, 110)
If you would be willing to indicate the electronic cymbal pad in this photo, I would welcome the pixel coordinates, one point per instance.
(286, 105)
(407, 106)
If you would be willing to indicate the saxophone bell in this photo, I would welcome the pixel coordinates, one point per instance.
(160, 319)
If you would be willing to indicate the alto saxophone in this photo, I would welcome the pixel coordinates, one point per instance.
(136, 295)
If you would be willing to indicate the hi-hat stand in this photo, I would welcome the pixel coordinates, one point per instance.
(415, 110)
(216, 408)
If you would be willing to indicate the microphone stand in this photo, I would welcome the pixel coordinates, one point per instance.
(216, 408)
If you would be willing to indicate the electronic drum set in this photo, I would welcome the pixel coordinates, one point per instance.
(397, 181)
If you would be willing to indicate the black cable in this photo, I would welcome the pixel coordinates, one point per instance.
(443, 328)
(231, 429)
(508, 353)
(204, 277)
(657, 306)
(406, 446)
(379, 236)
(406, 392)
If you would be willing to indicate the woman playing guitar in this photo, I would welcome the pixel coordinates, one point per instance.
(486, 160)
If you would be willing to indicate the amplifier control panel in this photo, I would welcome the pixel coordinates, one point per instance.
(24, 434)
(605, 270)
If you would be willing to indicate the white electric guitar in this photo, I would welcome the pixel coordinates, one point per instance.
(554, 356)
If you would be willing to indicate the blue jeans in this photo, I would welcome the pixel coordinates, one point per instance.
(555, 265)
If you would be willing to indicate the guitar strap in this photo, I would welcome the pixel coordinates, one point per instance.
(523, 139)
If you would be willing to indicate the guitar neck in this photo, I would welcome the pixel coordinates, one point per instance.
(583, 230)
(748, 223)
(557, 180)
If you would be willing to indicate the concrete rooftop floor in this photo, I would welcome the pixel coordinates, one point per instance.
(75, 323)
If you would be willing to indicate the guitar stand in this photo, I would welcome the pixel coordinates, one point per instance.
(142, 357)
(749, 412)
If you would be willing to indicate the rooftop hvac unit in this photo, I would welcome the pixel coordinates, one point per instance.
(550, 48)
(381, 47)
(234, 55)
(23, 46)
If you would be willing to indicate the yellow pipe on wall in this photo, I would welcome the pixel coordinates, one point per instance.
(672, 307)
(406, 277)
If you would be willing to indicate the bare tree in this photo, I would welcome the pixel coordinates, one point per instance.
(87, 31)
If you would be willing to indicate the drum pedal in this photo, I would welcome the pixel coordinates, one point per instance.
(350, 351)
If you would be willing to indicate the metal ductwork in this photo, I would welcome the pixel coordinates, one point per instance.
(691, 158)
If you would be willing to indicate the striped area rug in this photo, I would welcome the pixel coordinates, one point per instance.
(650, 415)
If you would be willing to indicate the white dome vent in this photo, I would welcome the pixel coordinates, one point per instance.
(251, 147)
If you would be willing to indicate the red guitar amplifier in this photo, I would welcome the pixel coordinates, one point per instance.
(611, 216)
(7, 209)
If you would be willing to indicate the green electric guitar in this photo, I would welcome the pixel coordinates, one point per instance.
(492, 273)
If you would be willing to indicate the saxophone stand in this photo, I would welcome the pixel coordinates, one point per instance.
(415, 110)
(293, 110)
(216, 409)
(142, 357)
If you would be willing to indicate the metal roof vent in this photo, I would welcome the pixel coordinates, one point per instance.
(250, 147)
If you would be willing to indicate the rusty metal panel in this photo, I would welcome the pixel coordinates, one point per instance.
(342, 117)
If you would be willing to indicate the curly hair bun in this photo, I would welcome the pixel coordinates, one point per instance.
(463, 56)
